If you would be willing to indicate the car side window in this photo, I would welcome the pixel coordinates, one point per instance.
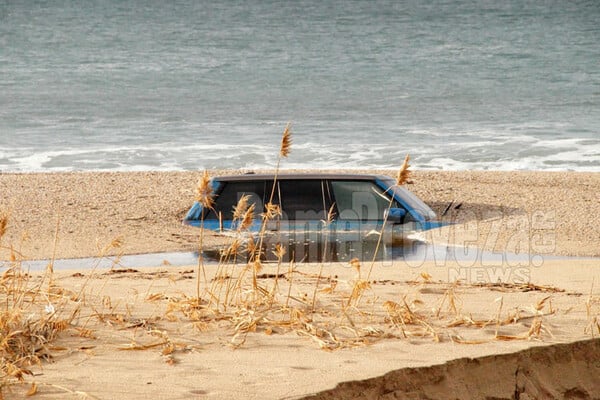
(231, 193)
(302, 199)
(360, 200)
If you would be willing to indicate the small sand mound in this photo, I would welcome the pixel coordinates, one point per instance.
(561, 371)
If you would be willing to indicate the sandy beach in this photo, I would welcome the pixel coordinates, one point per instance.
(71, 215)
(330, 330)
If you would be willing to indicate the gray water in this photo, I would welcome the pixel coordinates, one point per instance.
(411, 254)
(185, 85)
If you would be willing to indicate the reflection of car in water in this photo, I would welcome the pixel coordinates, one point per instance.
(359, 204)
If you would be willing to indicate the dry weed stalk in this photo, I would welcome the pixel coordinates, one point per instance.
(27, 327)
(3, 224)
(534, 332)
(401, 179)
(168, 346)
(279, 253)
(593, 319)
(204, 196)
(243, 217)
(326, 223)
(272, 210)
(451, 298)
(402, 315)
(359, 286)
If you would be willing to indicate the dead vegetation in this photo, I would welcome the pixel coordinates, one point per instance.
(35, 311)
(30, 318)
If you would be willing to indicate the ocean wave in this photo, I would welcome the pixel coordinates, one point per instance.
(565, 154)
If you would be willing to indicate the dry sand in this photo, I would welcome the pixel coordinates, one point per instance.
(134, 337)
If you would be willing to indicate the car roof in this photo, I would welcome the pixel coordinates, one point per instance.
(259, 177)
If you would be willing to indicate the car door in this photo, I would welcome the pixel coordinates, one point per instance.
(305, 204)
(303, 201)
(228, 197)
(360, 205)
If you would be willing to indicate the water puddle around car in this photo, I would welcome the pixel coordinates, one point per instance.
(411, 252)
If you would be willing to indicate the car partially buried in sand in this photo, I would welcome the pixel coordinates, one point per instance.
(351, 204)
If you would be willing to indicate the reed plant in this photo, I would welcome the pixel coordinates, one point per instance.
(204, 196)
(402, 178)
(29, 318)
(35, 312)
(592, 310)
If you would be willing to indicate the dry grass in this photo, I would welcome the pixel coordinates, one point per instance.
(34, 312)
(401, 179)
(286, 141)
(29, 319)
(592, 309)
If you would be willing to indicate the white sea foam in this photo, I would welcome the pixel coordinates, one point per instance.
(565, 154)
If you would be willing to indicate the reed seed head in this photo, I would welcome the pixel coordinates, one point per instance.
(117, 242)
(251, 246)
(204, 191)
(271, 211)
(286, 141)
(279, 251)
(404, 172)
(330, 214)
(3, 223)
(247, 218)
(240, 208)
(355, 263)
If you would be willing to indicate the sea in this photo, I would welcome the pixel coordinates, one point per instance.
(132, 85)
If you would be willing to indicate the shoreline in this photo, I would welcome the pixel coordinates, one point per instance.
(85, 214)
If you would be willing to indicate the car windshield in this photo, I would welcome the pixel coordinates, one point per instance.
(410, 199)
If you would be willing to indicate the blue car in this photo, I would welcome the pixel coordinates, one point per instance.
(357, 205)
